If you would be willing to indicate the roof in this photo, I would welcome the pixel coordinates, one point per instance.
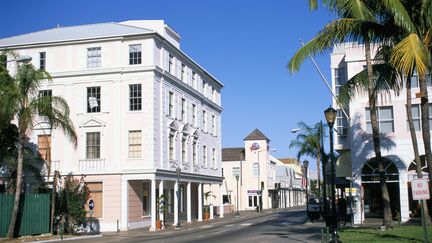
(79, 32)
(256, 135)
(289, 161)
(233, 154)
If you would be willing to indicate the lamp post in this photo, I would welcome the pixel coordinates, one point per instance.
(306, 165)
(178, 171)
(330, 115)
(237, 201)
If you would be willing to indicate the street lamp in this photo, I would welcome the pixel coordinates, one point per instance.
(237, 179)
(306, 165)
(178, 171)
(330, 115)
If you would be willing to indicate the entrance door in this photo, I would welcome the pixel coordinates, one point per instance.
(372, 191)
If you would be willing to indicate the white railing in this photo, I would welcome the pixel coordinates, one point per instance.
(91, 165)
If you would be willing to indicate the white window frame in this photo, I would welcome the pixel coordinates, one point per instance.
(380, 120)
(135, 144)
(94, 57)
(255, 169)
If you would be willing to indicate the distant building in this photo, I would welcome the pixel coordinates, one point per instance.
(263, 179)
(142, 108)
(354, 143)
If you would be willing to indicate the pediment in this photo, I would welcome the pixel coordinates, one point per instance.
(92, 122)
(175, 125)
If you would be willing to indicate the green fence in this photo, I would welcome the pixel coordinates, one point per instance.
(33, 216)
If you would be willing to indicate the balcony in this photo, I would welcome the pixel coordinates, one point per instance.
(91, 165)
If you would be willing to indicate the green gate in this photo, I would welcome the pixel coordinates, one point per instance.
(33, 215)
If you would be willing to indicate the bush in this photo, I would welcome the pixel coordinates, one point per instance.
(70, 204)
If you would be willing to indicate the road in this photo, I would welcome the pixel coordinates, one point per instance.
(286, 225)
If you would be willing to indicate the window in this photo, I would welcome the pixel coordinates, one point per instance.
(226, 199)
(183, 72)
(46, 92)
(194, 79)
(171, 64)
(93, 145)
(341, 123)
(44, 147)
(213, 158)
(430, 116)
(146, 199)
(213, 125)
(171, 147)
(384, 117)
(205, 156)
(183, 110)
(93, 99)
(340, 78)
(204, 88)
(135, 97)
(184, 146)
(236, 171)
(134, 54)
(135, 144)
(213, 94)
(194, 115)
(415, 110)
(94, 57)
(255, 169)
(253, 202)
(204, 121)
(42, 60)
(194, 152)
(171, 104)
(95, 193)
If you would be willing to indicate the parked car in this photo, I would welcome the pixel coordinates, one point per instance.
(313, 208)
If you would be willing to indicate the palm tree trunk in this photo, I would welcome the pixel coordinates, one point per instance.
(424, 105)
(415, 143)
(387, 218)
(318, 162)
(20, 160)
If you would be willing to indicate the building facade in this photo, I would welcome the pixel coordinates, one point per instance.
(354, 142)
(263, 180)
(142, 109)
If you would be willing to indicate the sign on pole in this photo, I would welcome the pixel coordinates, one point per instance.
(420, 189)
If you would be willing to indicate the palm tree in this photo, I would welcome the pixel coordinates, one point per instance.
(308, 143)
(358, 23)
(19, 98)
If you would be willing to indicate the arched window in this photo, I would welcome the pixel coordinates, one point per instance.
(255, 169)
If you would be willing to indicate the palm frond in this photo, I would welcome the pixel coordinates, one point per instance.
(411, 53)
(400, 15)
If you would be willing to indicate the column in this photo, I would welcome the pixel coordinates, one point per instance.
(153, 205)
(188, 202)
(176, 202)
(211, 203)
(200, 203)
(124, 204)
(221, 209)
(161, 191)
(181, 191)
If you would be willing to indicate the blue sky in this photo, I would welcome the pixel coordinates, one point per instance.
(246, 44)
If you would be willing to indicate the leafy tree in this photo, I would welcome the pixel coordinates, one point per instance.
(359, 22)
(19, 99)
(308, 143)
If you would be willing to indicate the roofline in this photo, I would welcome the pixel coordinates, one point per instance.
(29, 45)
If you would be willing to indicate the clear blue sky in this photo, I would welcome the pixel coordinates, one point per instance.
(246, 44)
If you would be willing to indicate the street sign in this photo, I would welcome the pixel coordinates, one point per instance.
(420, 189)
(91, 204)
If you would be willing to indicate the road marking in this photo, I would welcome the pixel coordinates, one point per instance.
(229, 225)
(217, 232)
(205, 226)
(245, 224)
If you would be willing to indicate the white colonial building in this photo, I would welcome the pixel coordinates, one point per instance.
(142, 109)
(262, 179)
(354, 141)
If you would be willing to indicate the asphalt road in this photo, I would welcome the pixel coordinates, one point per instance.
(288, 225)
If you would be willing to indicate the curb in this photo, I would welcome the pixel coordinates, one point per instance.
(67, 239)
